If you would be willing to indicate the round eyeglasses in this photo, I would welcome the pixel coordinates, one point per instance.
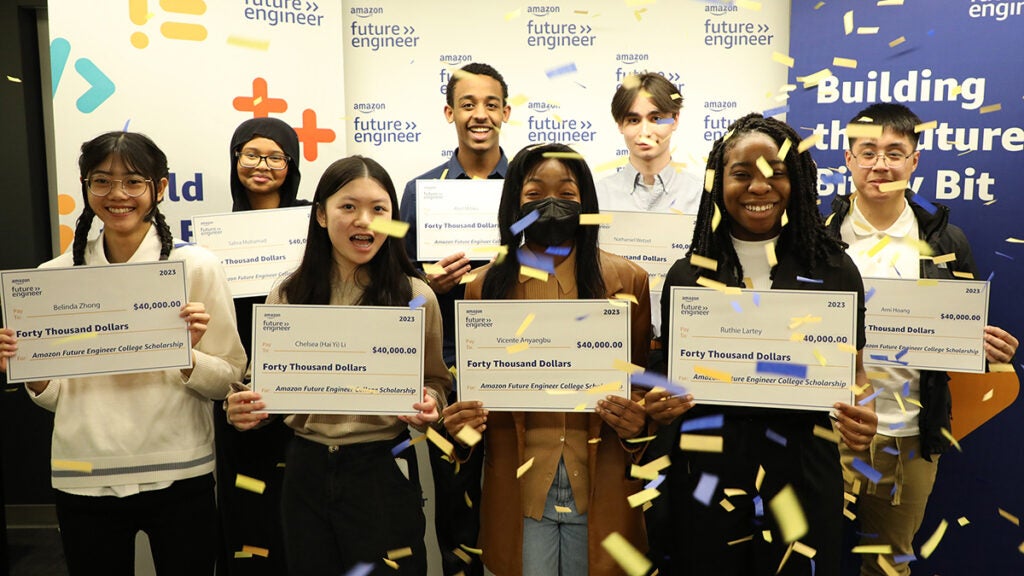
(891, 159)
(133, 186)
(252, 160)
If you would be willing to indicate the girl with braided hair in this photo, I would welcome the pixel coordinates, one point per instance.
(687, 537)
(148, 436)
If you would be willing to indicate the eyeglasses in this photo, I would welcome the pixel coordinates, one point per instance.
(252, 160)
(133, 186)
(891, 159)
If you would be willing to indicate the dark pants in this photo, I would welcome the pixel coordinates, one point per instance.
(248, 518)
(98, 532)
(349, 505)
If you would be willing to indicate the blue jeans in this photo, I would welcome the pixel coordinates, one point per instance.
(557, 544)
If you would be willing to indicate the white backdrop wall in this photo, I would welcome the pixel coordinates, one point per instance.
(371, 76)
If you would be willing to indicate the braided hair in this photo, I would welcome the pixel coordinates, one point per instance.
(139, 155)
(805, 235)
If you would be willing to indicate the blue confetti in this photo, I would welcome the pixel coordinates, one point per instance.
(655, 483)
(757, 299)
(581, 318)
(758, 506)
(775, 111)
(666, 120)
(650, 379)
(417, 302)
(990, 277)
(795, 370)
(706, 488)
(897, 425)
(561, 70)
(891, 450)
(902, 353)
(928, 206)
(881, 357)
(809, 280)
(713, 422)
(870, 398)
(361, 569)
(129, 121)
(831, 177)
(736, 306)
(401, 446)
(864, 468)
(558, 250)
(906, 388)
(538, 261)
(1007, 256)
(869, 294)
(812, 566)
(911, 454)
(775, 437)
(524, 222)
(901, 558)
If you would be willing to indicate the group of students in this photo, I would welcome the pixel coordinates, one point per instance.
(341, 492)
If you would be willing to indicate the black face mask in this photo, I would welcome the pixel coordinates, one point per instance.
(557, 222)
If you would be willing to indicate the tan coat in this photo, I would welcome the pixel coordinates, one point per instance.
(501, 512)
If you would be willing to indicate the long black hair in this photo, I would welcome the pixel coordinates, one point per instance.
(501, 278)
(389, 269)
(805, 235)
(139, 155)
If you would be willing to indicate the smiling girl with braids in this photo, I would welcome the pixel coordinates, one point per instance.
(691, 538)
(148, 436)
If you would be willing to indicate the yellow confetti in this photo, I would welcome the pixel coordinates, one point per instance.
(626, 367)
(595, 219)
(440, 441)
(879, 245)
(709, 181)
(642, 497)
(716, 219)
(650, 470)
(75, 465)
(928, 282)
(847, 348)
(788, 514)
(799, 321)
(631, 560)
(242, 554)
(820, 357)
(250, 43)
(531, 272)
(524, 468)
(526, 323)
(782, 59)
(886, 567)
(963, 521)
(563, 155)
(990, 108)
(250, 484)
(764, 167)
(857, 130)
(796, 337)
(626, 297)
(848, 22)
(966, 275)
(256, 551)
(849, 514)
(784, 149)
(700, 443)
(467, 278)
(804, 550)
(593, 440)
(826, 433)
(769, 252)
(467, 499)
(724, 503)
(433, 269)
(899, 401)
(951, 257)
(866, 30)
(391, 563)
(914, 402)
(386, 225)
(462, 555)
(808, 142)
(471, 550)
(640, 440)
(759, 478)
(257, 100)
(740, 540)
(399, 553)
(988, 395)
(563, 509)
(13, 79)
(719, 375)
(933, 541)
(517, 348)
(897, 186)
(926, 126)
(513, 14)
(703, 262)
(518, 100)
(469, 436)
(720, 286)
(872, 549)
(844, 62)
(1013, 519)
(819, 5)
(611, 164)
(897, 41)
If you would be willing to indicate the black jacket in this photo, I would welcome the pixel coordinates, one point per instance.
(944, 238)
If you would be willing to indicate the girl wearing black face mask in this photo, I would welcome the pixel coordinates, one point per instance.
(521, 531)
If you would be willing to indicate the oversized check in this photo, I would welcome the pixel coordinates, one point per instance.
(542, 355)
(93, 320)
(457, 216)
(926, 324)
(654, 241)
(769, 348)
(256, 247)
(337, 359)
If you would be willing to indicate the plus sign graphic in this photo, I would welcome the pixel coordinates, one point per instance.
(260, 104)
(311, 136)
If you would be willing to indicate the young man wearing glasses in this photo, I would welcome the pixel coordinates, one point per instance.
(913, 405)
